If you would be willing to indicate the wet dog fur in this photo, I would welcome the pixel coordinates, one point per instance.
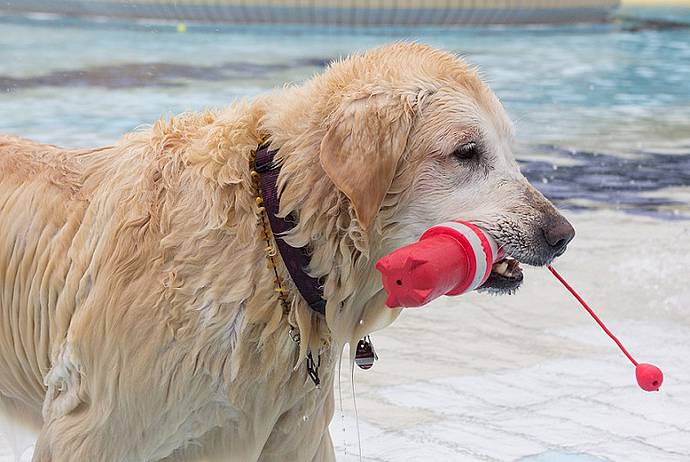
(138, 318)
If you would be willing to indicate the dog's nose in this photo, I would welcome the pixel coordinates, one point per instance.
(559, 234)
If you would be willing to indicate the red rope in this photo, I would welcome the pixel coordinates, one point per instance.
(591, 312)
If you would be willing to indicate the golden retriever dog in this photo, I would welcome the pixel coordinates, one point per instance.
(139, 320)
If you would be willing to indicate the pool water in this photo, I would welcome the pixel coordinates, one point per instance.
(554, 456)
(602, 112)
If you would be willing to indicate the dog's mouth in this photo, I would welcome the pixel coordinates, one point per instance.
(505, 278)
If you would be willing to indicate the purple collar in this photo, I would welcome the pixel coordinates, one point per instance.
(296, 260)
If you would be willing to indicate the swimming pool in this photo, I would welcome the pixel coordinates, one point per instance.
(607, 100)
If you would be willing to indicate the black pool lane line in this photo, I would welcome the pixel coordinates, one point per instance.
(612, 181)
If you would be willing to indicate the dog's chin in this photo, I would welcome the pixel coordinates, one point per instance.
(505, 278)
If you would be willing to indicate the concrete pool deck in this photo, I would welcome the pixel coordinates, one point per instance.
(655, 3)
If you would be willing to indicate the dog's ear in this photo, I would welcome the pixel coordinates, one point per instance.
(360, 152)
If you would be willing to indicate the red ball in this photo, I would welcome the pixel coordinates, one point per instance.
(649, 377)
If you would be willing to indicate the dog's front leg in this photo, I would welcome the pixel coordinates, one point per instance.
(325, 453)
(301, 433)
(77, 431)
(73, 430)
(77, 437)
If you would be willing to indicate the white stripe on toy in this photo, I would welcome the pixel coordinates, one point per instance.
(483, 254)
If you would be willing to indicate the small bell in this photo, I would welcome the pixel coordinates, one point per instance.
(365, 355)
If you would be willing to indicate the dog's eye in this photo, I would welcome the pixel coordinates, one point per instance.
(467, 151)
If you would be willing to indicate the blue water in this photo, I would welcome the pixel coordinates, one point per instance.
(557, 456)
(602, 112)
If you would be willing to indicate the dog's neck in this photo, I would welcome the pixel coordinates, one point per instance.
(342, 253)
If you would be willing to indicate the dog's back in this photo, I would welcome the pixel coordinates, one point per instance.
(43, 197)
(83, 237)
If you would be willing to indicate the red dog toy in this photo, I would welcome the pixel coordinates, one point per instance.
(449, 259)
(455, 258)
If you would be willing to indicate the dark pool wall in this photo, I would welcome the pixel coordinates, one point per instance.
(333, 12)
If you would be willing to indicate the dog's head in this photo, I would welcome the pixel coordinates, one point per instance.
(414, 138)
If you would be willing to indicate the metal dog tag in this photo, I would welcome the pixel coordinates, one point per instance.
(365, 354)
